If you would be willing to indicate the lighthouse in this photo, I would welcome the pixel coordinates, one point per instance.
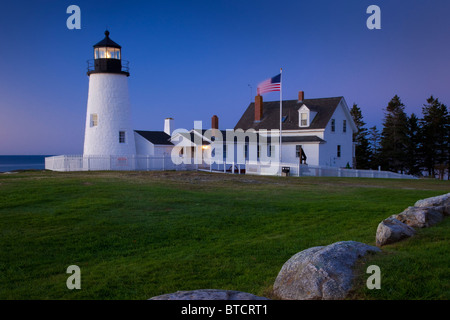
(108, 130)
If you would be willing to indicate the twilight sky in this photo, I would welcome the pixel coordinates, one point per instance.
(192, 59)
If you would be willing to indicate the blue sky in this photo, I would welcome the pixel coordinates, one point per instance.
(192, 59)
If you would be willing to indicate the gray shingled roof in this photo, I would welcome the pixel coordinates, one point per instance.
(324, 107)
(155, 137)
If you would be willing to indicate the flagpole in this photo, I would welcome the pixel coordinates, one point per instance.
(281, 115)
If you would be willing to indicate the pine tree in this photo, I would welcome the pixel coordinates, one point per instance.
(374, 144)
(362, 148)
(435, 136)
(413, 146)
(394, 136)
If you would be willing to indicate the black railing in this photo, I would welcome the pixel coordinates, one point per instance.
(91, 65)
(125, 66)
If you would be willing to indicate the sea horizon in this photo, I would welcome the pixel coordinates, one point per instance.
(22, 162)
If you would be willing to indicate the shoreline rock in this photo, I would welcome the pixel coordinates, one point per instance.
(425, 213)
(420, 217)
(392, 230)
(320, 272)
(438, 201)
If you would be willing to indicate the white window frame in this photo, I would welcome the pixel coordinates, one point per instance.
(94, 120)
(306, 120)
(304, 110)
(122, 134)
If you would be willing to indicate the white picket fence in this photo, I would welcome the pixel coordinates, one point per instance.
(303, 170)
(160, 163)
(113, 163)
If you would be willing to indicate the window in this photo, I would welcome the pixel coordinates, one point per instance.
(284, 119)
(107, 53)
(339, 151)
(121, 136)
(270, 151)
(333, 125)
(224, 151)
(94, 120)
(100, 53)
(112, 53)
(303, 119)
(344, 126)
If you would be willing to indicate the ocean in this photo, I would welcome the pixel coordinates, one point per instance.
(11, 163)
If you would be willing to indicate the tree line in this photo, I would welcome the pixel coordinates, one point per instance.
(411, 144)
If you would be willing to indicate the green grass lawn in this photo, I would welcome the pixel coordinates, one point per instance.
(140, 234)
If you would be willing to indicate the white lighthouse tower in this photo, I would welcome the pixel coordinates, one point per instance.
(108, 119)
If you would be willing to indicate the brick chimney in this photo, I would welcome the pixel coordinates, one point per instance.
(214, 122)
(301, 95)
(258, 108)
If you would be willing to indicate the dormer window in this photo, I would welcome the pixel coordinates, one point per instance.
(303, 119)
(306, 116)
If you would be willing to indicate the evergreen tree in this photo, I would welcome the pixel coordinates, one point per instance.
(435, 136)
(413, 146)
(362, 148)
(374, 143)
(394, 136)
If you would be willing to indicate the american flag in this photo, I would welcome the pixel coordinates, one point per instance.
(270, 85)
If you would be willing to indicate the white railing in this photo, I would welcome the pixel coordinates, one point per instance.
(161, 163)
(223, 166)
(113, 163)
(295, 169)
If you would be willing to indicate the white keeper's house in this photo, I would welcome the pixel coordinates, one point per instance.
(322, 128)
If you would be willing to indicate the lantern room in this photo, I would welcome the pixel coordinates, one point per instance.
(107, 58)
(107, 49)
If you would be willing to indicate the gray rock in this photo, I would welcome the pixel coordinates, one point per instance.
(392, 230)
(421, 217)
(208, 294)
(443, 200)
(445, 210)
(320, 272)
